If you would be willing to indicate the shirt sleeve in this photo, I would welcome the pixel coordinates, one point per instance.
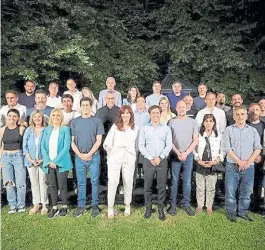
(222, 122)
(100, 99)
(142, 143)
(168, 145)
(226, 144)
(257, 144)
(100, 127)
(119, 103)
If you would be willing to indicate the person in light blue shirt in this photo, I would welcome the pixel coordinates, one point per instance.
(241, 143)
(132, 96)
(110, 82)
(154, 98)
(155, 144)
(141, 115)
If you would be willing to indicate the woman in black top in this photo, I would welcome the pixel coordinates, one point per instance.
(13, 170)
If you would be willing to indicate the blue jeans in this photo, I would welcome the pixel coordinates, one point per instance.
(242, 180)
(81, 172)
(186, 181)
(14, 172)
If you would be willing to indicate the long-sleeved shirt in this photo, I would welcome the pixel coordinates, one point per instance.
(219, 115)
(102, 94)
(155, 141)
(242, 141)
(141, 118)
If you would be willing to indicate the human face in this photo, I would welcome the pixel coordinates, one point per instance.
(221, 99)
(71, 84)
(126, 116)
(155, 115)
(56, 118)
(181, 108)
(210, 101)
(157, 88)
(164, 105)
(11, 99)
(240, 116)
(37, 119)
(85, 108)
(177, 88)
(133, 92)
(237, 100)
(254, 112)
(53, 89)
(202, 89)
(29, 87)
(208, 124)
(67, 104)
(110, 100)
(140, 103)
(110, 83)
(262, 104)
(12, 118)
(40, 100)
(189, 101)
(86, 93)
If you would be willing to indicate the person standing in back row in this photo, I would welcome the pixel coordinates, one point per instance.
(199, 101)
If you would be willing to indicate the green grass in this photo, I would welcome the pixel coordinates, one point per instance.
(21, 231)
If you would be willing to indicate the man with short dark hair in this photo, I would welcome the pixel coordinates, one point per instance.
(220, 102)
(155, 144)
(141, 115)
(154, 98)
(241, 143)
(28, 97)
(53, 99)
(185, 138)
(87, 131)
(237, 102)
(68, 113)
(176, 95)
(12, 103)
(262, 106)
(199, 101)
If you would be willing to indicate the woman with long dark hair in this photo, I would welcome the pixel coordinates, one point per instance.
(207, 155)
(13, 169)
(120, 145)
(132, 96)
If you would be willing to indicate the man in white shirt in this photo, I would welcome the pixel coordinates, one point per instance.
(12, 103)
(74, 92)
(210, 108)
(68, 113)
(110, 83)
(53, 99)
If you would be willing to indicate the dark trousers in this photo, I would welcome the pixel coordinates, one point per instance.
(57, 180)
(161, 175)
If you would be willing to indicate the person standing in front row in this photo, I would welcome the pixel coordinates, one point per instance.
(185, 139)
(87, 131)
(241, 143)
(120, 145)
(155, 143)
(57, 162)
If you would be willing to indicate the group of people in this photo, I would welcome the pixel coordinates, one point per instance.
(46, 134)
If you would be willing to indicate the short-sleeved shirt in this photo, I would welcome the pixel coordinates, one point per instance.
(85, 131)
(28, 101)
(199, 103)
(182, 132)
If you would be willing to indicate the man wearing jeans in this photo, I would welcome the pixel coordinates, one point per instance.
(185, 138)
(241, 143)
(87, 132)
(155, 144)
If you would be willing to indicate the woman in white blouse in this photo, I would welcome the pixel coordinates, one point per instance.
(207, 155)
(120, 145)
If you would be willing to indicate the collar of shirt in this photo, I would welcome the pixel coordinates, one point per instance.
(235, 125)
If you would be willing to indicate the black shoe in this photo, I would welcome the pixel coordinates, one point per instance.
(246, 217)
(79, 211)
(172, 210)
(63, 211)
(189, 211)
(161, 214)
(148, 212)
(53, 213)
(95, 211)
(231, 217)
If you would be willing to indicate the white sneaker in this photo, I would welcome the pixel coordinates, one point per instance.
(110, 212)
(121, 190)
(12, 211)
(21, 210)
(127, 211)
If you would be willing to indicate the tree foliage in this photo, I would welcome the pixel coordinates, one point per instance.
(137, 41)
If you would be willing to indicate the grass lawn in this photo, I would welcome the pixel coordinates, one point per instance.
(21, 231)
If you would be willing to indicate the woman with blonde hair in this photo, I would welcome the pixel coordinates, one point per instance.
(86, 92)
(132, 96)
(57, 162)
(166, 114)
(33, 161)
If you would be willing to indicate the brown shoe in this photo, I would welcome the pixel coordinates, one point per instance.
(34, 210)
(198, 210)
(209, 212)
